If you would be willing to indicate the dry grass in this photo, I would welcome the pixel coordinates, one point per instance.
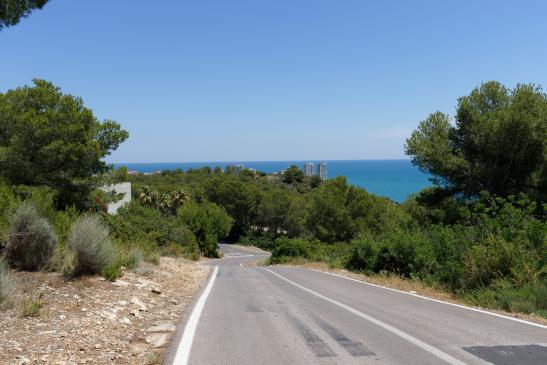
(250, 249)
(153, 358)
(30, 307)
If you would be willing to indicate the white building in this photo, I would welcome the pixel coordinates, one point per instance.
(322, 170)
(309, 169)
(121, 188)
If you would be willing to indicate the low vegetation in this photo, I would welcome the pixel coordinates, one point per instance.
(153, 358)
(30, 307)
(31, 240)
(6, 284)
(93, 251)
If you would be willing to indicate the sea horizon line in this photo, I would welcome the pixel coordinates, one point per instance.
(250, 161)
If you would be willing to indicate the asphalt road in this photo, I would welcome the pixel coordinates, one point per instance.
(281, 315)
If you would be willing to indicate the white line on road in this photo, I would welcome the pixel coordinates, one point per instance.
(432, 350)
(185, 345)
(431, 299)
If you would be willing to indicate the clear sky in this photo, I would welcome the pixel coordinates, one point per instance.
(230, 80)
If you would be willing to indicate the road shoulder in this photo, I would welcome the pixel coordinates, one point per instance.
(414, 288)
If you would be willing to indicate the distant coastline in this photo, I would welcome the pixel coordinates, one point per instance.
(395, 179)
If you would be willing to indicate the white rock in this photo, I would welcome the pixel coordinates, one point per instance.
(162, 327)
(22, 360)
(109, 315)
(138, 303)
(119, 282)
(157, 339)
(135, 313)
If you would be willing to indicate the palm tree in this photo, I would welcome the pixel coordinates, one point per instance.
(164, 202)
(148, 196)
(178, 198)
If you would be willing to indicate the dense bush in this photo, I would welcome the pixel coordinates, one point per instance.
(31, 239)
(208, 222)
(91, 247)
(290, 247)
(111, 273)
(399, 253)
(182, 240)
(264, 241)
(363, 255)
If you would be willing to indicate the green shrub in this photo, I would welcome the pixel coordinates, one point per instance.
(8, 203)
(63, 222)
(185, 239)
(448, 247)
(111, 273)
(6, 284)
(31, 239)
(502, 294)
(42, 198)
(208, 222)
(489, 260)
(264, 241)
(335, 254)
(290, 247)
(397, 256)
(93, 250)
(363, 255)
(30, 307)
(189, 251)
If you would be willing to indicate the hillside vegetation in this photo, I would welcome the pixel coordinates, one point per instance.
(478, 232)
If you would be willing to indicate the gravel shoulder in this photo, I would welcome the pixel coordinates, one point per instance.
(92, 321)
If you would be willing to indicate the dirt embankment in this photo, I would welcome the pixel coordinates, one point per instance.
(92, 321)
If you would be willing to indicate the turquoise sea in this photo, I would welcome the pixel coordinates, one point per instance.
(395, 179)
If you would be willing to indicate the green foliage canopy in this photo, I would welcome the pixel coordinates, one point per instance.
(293, 174)
(498, 143)
(208, 222)
(238, 198)
(11, 11)
(48, 138)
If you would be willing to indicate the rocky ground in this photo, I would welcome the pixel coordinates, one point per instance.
(93, 321)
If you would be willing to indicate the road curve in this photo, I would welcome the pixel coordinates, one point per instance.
(281, 315)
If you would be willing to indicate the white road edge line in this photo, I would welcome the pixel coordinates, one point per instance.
(424, 346)
(431, 299)
(185, 344)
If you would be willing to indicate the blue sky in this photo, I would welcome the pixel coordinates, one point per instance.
(273, 80)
